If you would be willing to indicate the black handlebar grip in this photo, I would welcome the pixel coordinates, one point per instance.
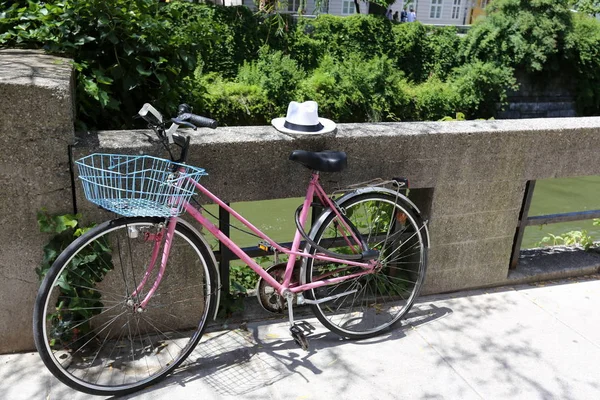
(184, 109)
(201, 122)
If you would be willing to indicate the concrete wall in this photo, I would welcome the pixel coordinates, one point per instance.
(36, 125)
(474, 173)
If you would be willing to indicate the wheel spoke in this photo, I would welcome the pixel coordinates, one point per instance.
(385, 295)
(99, 338)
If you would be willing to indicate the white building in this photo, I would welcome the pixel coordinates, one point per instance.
(436, 12)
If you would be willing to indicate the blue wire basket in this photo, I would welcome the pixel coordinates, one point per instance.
(135, 186)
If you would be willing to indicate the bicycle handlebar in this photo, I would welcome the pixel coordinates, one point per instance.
(169, 135)
(199, 121)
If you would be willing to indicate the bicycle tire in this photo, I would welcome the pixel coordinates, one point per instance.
(370, 304)
(90, 333)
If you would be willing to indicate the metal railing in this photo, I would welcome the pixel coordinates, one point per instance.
(525, 220)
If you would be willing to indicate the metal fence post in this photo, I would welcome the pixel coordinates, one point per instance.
(514, 258)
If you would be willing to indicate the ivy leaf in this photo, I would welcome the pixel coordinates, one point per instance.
(127, 48)
(161, 78)
(142, 71)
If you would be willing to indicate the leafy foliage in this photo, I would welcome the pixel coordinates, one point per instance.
(583, 53)
(571, 238)
(77, 301)
(244, 68)
(480, 87)
(356, 89)
(276, 74)
(525, 34)
(591, 7)
(126, 52)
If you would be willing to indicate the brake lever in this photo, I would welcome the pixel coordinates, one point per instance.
(184, 123)
(173, 128)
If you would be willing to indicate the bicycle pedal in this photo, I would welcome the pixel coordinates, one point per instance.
(299, 337)
(303, 327)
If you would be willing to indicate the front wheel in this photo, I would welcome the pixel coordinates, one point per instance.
(363, 306)
(89, 327)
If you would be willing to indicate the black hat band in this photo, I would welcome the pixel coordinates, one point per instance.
(303, 128)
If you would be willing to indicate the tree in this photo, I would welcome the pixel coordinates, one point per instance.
(591, 7)
(526, 34)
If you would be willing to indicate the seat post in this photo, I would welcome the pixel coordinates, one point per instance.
(316, 206)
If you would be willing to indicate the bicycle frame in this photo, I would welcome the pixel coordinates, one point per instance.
(314, 188)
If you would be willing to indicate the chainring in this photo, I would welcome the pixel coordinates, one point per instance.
(268, 297)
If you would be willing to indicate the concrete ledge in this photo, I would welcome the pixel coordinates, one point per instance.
(554, 263)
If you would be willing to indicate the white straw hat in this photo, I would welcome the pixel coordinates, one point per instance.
(303, 119)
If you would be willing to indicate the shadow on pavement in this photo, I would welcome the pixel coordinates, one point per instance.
(239, 361)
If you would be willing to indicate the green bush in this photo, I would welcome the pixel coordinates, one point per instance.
(431, 100)
(523, 34)
(356, 89)
(339, 37)
(230, 103)
(583, 53)
(124, 53)
(276, 74)
(128, 52)
(481, 87)
(241, 68)
(229, 36)
(444, 51)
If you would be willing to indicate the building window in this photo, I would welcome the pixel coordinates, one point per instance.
(348, 7)
(456, 9)
(436, 9)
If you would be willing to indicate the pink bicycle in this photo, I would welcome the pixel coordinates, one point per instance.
(128, 301)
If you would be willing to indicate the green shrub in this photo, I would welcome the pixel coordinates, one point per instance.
(524, 34)
(230, 103)
(431, 100)
(128, 52)
(481, 87)
(359, 68)
(356, 89)
(365, 35)
(412, 51)
(444, 51)
(124, 52)
(276, 74)
(229, 35)
(583, 53)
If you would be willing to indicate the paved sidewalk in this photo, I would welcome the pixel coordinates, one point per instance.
(524, 342)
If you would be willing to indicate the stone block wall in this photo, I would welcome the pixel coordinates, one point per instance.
(36, 126)
(554, 98)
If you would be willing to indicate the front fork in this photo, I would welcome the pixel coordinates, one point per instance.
(157, 238)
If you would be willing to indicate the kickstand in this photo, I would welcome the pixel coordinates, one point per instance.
(299, 330)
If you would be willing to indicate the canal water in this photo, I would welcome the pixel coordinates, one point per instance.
(561, 195)
(551, 196)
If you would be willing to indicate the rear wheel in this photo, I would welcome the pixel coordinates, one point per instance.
(363, 306)
(88, 326)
